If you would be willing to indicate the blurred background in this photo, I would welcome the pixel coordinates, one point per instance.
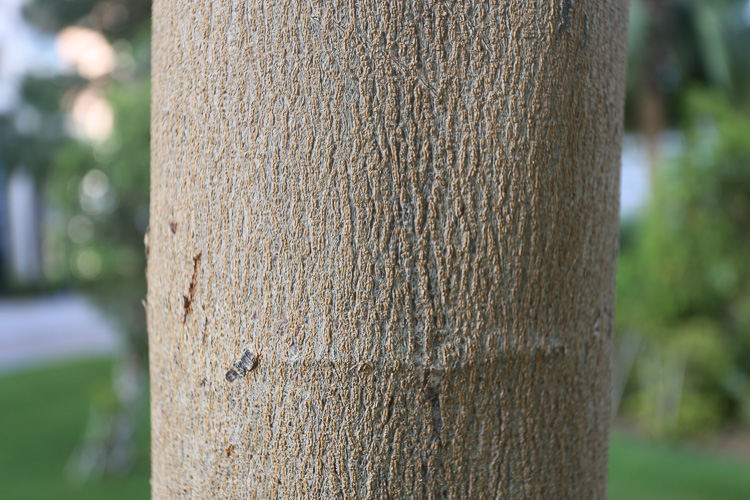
(74, 160)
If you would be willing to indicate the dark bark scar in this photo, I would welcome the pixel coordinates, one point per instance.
(187, 300)
(566, 23)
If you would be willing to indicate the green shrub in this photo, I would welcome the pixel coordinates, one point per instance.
(684, 280)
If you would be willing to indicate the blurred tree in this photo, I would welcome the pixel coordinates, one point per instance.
(96, 181)
(684, 279)
(673, 44)
(115, 18)
(103, 192)
(32, 133)
(30, 137)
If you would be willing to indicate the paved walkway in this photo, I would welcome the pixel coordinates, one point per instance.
(35, 331)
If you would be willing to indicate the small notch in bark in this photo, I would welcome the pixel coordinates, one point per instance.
(187, 300)
(293, 350)
(247, 363)
(432, 393)
(597, 318)
(173, 227)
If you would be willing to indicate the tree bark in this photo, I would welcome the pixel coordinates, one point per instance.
(408, 212)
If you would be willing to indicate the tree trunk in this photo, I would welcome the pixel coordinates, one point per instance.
(407, 213)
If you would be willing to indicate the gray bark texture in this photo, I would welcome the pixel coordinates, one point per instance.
(406, 212)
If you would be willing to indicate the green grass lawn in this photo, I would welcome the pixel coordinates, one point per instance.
(649, 471)
(43, 415)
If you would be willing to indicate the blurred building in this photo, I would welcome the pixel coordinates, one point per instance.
(22, 235)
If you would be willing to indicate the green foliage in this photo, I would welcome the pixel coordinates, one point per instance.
(684, 279)
(102, 190)
(97, 192)
(35, 148)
